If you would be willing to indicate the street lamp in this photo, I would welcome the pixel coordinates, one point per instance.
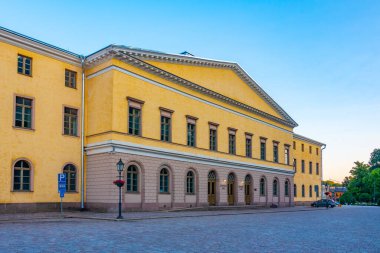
(120, 183)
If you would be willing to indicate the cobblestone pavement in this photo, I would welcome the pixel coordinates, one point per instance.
(346, 229)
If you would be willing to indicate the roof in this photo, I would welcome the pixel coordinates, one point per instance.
(306, 139)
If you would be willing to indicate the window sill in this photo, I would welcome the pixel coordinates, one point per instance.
(135, 193)
(22, 191)
(24, 128)
(24, 74)
(190, 194)
(72, 136)
(165, 193)
(71, 192)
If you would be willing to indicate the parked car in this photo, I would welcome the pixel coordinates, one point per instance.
(323, 203)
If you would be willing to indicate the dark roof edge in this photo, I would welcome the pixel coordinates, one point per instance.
(303, 138)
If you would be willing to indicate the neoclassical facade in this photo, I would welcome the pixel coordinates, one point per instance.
(192, 132)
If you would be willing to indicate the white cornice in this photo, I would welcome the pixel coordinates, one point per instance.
(113, 146)
(39, 47)
(303, 138)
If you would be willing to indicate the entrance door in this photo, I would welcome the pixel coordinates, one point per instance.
(212, 188)
(248, 190)
(231, 189)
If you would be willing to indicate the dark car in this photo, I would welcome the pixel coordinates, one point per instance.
(323, 203)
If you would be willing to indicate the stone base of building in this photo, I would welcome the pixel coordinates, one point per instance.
(37, 207)
(303, 203)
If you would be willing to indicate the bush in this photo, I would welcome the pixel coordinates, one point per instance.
(365, 197)
(378, 202)
(347, 198)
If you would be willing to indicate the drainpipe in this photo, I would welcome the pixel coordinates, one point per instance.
(322, 148)
(82, 138)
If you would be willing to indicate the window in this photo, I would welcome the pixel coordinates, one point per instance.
(294, 145)
(302, 147)
(190, 182)
(262, 149)
(310, 191)
(24, 113)
(286, 188)
(310, 149)
(213, 136)
(303, 191)
(248, 145)
(132, 179)
(295, 164)
(317, 168)
(164, 181)
(165, 128)
(310, 168)
(275, 151)
(232, 141)
(71, 177)
(286, 153)
(70, 79)
(22, 176)
(262, 187)
(134, 116)
(24, 65)
(303, 166)
(295, 190)
(70, 121)
(275, 186)
(317, 151)
(316, 187)
(191, 128)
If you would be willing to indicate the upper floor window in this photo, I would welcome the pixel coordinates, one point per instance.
(286, 153)
(248, 145)
(71, 177)
(310, 149)
(190, 182)
(24, 65)
(166, 121)
(275, 151)
(134, 116)
(70, 79)
(132, 179)
(310, 167)
(294, 145)
(191, 130)
(232, 141)
(303, 166)
(263, 148)
(317, 168)
(317, 151)
(295, 164)
(22, 176)
(213, 136)
(24, 112)
(302, 147)
(70, 121)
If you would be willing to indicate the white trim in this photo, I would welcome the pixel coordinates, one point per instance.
(113, 146)
(122, 70)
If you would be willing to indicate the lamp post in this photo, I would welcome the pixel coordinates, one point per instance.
(120, 168)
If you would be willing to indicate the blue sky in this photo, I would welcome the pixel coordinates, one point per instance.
(320, 60)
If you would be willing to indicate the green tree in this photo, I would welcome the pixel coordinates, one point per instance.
(347, 198)
(374, 159)
(359, 179)
(364, 197)
(346, 181)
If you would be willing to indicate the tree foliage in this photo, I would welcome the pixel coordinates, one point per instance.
(374, 159)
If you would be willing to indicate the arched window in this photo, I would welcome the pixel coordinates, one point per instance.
(132, 179)
(247, 184)
(21, 176)
(310, 191)
(303, 191)
(164, 181)
(286, 188)
(190, 182)
(275, 187)
(295, 190)
(262, 187)
(71, 177)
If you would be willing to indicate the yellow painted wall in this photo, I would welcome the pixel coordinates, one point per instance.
(45, 146)
(124, 85)
(306, 178)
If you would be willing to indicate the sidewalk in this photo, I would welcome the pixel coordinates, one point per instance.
(138, 216)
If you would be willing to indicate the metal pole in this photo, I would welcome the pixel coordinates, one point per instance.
(82, 140)
(374, 191)
(119, 217)
(61, 208)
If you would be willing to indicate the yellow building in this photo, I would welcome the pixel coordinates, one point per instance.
(191, 131)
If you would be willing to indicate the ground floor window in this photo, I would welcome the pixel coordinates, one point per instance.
(164, 181)
(190, 182)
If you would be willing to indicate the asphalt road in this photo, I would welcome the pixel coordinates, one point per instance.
(346, 229)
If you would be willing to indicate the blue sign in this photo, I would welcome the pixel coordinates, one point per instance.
(61, 184)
